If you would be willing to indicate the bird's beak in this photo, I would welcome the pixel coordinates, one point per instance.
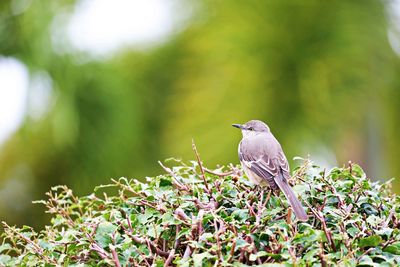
(237, 126)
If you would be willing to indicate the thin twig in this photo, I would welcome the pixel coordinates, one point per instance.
(150, 244)
(322, 256)
(170, 258)
(321, 218)
(289, 216)
(115, 256)
(175, 180)
(224, 174)
(38, 250)
(232, 252)
(389, 242)
(188, 252)
(365, 253)
(203, 175)
(177, 241)
(293, 255)
(182, 216)
(219, 247)
(102, 253)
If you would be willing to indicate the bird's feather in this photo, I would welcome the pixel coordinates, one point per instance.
(263, 155)
(290, 195)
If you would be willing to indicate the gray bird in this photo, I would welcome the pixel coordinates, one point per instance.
(264, 162)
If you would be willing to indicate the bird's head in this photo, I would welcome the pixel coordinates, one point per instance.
(252, 127)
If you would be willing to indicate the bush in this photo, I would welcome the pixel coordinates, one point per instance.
(192, 216)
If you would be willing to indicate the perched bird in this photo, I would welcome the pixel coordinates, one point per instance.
(264, 162)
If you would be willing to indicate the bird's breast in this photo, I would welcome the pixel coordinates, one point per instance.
(254, 178)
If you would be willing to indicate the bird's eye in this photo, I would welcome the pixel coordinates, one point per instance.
(251, 128)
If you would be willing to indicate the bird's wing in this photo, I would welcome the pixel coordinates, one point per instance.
(283, 163)
(263, 166)
(266, 159)
(269, 162)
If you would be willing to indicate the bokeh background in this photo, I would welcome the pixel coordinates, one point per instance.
(91, 90)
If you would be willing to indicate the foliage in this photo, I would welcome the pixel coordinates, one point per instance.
(193, 216)
(321, 73)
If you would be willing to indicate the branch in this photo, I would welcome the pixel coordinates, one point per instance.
(175, 180)
(37, 248)
(224, 174)
(203, 175)
(321, 218)
(170, 258)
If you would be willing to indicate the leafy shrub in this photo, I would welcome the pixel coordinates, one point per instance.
(192, 216)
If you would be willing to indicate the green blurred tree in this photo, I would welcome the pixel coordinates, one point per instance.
(322, 75)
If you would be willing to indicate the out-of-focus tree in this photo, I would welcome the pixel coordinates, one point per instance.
(322, 75)
(316, 72)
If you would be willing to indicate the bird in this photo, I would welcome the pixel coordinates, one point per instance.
(265, 163)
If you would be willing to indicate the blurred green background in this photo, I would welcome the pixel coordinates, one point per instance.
(323, 74)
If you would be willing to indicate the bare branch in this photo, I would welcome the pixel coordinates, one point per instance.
(203, 175)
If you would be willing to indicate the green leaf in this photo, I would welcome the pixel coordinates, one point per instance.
(259, 254)
(366, 260)
(393, 248)
(169, 219)
(353, 231)
(103, 233)
(154, 230)
(199, 258)
(370, 241)
(5, 260)
(358, 171)
(240, 215)
(128, 225)
(165, 182)
(146, 217)
(385, 232)
(206, 236)
(5, 246)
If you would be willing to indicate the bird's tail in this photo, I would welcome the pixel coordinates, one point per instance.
(291, 196)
